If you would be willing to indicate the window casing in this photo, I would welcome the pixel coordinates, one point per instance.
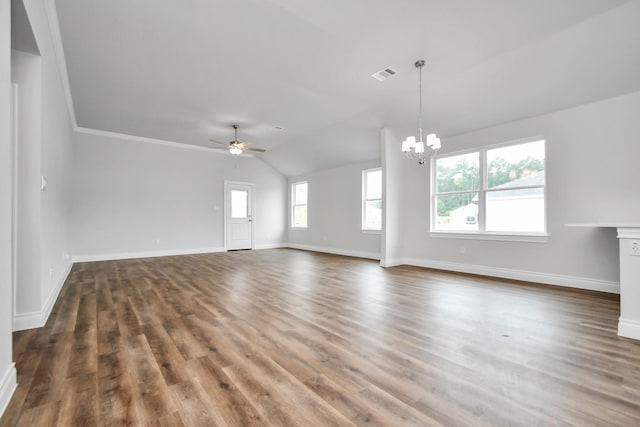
(372, 199)
(497, 190)
(299, 198)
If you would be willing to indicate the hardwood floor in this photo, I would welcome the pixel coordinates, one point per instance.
(294, 338)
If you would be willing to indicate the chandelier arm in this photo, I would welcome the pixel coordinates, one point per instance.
(413, 155)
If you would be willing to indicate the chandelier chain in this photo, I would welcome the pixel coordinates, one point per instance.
(415, 149)
(419, 65)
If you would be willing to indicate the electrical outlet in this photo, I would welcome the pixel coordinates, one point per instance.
(634, 248)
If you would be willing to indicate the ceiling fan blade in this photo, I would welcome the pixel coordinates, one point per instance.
(242, 145)
(219, 142)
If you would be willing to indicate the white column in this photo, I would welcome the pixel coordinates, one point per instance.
(392, 199)
(629, 322)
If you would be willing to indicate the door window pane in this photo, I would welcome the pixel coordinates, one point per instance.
(239, 205)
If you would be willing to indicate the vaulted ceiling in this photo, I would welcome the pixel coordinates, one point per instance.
(185, 70)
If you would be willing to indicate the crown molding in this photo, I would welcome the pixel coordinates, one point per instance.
(134, 138)
(58, 50)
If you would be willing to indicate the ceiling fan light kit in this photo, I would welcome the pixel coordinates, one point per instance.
(415, 149)
(235, 150)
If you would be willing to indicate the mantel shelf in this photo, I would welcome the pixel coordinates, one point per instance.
(605, 224)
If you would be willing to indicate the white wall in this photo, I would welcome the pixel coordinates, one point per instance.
(7, 369)
(55, 160)
(44, 149)
(592, 154)
(26, 72)
(335, 213)
(127, 195)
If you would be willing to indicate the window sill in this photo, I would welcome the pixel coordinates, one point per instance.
(529, 238)
(369, 231)
(299, 228)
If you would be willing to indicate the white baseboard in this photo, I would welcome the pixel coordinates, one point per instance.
(147, 254)
(336, 251)
(390, 262)
(528, 276)
(272, 246)
(37, 319)
(8, 384)
(629, 328)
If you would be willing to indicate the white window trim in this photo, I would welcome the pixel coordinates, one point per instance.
(531, 237)
(293, 206)
(364, 229)
(488, 235)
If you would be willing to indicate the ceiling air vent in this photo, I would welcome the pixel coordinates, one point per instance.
(384, 74)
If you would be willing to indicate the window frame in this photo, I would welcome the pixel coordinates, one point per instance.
(364, 201)
(482, 191)
(294, 204)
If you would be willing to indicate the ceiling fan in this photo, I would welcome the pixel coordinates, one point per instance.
(238, 147)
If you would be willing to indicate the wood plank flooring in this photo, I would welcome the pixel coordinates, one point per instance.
(293, 338)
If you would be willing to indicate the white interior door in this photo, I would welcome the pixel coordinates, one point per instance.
(239, 228)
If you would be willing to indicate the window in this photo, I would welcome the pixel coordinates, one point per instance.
(239, 203)
(372, 199)
(494, 190)
(299, 205)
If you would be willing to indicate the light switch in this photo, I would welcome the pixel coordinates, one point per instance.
(43, 183)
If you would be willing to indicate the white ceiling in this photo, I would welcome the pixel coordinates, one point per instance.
(22, 37)
(186, 70)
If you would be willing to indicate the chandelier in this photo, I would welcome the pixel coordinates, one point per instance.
(415, 149)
